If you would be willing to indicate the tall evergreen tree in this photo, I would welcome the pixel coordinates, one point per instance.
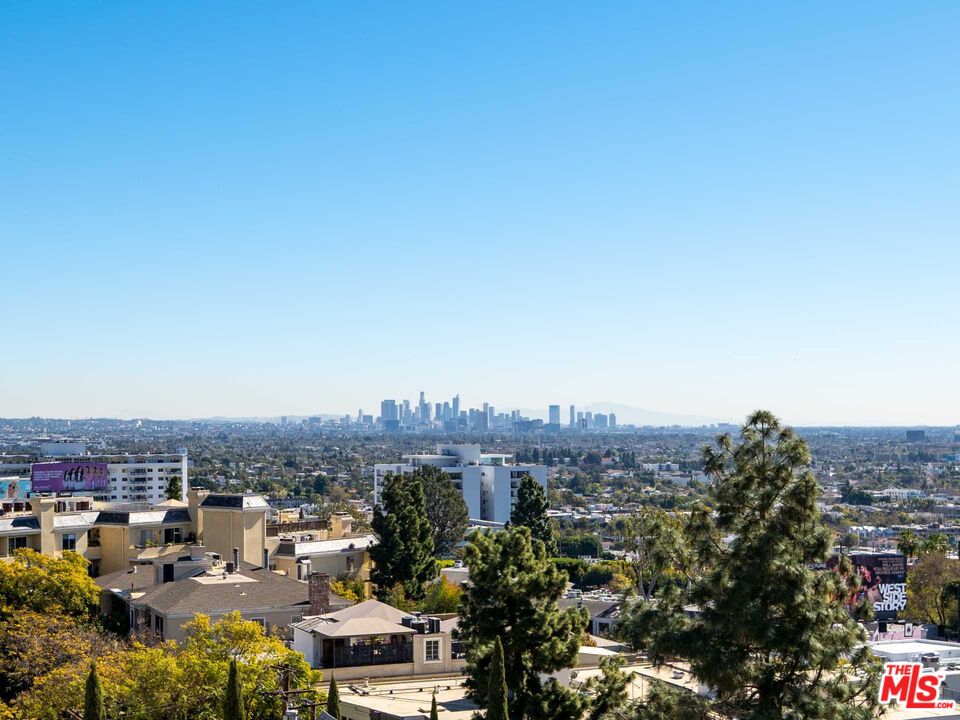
(531, 512)
(433, 708)
(404, 553)
(93, 708)
(772, 639)
(446, 509)
(333, 699)
(513, 596)
(497, 685)
(233, 708)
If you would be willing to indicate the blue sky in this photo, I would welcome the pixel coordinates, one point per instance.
(287, 208)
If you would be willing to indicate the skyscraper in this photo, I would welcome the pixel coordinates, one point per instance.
(388, 411)
(456, 406)
(573, 416)
(554, 413)
(613, 420)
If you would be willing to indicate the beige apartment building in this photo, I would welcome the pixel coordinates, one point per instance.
(116, 537)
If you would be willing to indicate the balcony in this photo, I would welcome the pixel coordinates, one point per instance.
(373, 654)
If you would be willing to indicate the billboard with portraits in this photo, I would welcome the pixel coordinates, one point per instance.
(69, 477)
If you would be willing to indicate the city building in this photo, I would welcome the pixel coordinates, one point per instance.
(373, 639)
(116, 537)
(487, 480)
(139, 478)
(163, 597)
(554, 414)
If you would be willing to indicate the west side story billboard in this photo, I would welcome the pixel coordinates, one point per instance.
(69, 477)
(883, 582)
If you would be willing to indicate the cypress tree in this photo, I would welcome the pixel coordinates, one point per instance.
(497, 685)
(433, 708)
(512, 598)
(233, 698)
(333, 699)
(531, 512)
(404, 553)
(93, 708)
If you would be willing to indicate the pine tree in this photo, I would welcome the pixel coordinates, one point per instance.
(333, 699)
(404, 553)
(233, 708)
(772, 639)
(497, 685)
(93, 708)
(513, 596)
(433, 708)
(531, 512)
(446, 509)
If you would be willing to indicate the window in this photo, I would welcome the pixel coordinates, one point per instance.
(158, 625)
(295, 618)
(172, 535)
(69, 541)
(432, 651)
(16, 543)
(351, 563)
(260, 621)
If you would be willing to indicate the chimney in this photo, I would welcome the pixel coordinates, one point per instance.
(236, 558)
(266, 559)
(319, 593)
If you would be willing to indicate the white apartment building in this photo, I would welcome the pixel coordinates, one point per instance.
(141, 478)
(488, 481)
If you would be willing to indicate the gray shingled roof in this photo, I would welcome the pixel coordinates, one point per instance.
(188, 596)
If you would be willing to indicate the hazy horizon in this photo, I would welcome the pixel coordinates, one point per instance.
(260, 210)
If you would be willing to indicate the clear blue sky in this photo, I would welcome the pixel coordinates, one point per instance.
(267, 208)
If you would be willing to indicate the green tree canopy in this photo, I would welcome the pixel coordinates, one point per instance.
(656, 547)
(530, 512)
(772, 638)
(57, 585)
(512, 596)
(174, 489)
(404, 553)
(927, 583)
(175, 680)
(446, 509)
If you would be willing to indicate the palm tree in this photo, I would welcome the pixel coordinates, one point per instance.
(908, 543)
(936, 543)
